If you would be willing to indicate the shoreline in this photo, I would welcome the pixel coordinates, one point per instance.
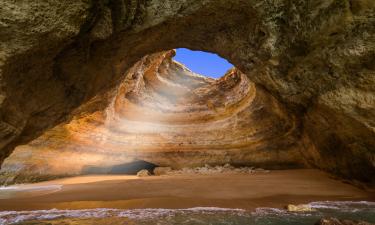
(244, 191)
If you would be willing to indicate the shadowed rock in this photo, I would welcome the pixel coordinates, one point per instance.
(334, 221)
(164, 114)
(315, 57)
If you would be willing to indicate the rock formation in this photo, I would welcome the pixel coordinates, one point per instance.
(334, 221)
(299, 208)
(315, 57)
(164, 114)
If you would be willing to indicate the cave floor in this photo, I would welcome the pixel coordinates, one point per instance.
(274, 189)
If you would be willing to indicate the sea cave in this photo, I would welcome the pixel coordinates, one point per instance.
(187, 112)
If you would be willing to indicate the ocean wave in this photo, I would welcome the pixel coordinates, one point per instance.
(30, 188)
(281, 212)
(10, 191)
(9, 217)
(342, 205)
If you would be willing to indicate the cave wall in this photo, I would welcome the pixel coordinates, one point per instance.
(316, 57)
(164, 114)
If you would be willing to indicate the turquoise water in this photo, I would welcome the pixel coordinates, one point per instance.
(208, 216)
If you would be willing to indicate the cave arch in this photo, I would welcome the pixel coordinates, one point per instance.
(163, 113)
(316, 63)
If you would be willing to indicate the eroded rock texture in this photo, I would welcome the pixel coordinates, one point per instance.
(334, 221)
(316, 57)
(166, 115)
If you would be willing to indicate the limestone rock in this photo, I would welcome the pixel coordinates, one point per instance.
(299, 208)
(207, 169)
(334, 221)
(143, 173)
(315, 57)
(162, 170)
(160, 114)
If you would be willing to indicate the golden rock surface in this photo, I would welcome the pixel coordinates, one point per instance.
(165, 114)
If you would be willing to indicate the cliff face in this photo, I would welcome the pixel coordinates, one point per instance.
(166, 115)
(315, 57)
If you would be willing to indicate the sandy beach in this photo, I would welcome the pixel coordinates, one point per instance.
(246, 191)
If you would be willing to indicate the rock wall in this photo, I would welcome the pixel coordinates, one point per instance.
(315, 57)
(164, 114)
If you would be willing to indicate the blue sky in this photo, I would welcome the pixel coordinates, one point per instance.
(204, 63)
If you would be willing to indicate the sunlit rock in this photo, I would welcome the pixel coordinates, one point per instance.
(315, 57)
(164, 114)
(143, 173)
(162, 170)
(299, 208)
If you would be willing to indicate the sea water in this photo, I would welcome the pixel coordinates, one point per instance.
(201, 215)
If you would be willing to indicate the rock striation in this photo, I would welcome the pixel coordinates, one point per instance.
(315, 57)
(164, 114)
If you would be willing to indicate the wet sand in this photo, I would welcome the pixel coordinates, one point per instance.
(247, 191)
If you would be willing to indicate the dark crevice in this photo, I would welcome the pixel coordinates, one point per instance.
(130, 168)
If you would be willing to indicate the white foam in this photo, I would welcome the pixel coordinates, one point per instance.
(280, 212)
(8, 187)
(215, 209)
(30, 188)
(10, 191)
(340, 204)
(9, 217)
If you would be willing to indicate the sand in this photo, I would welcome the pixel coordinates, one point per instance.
(247, 191)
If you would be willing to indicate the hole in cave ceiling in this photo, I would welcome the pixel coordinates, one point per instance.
(203, 63)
